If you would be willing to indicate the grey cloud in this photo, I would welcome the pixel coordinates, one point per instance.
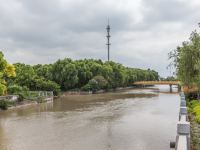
(143, 31)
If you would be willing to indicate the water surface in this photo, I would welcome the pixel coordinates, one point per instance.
(135, 119)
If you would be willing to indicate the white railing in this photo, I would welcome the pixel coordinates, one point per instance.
(9, 97)
(45, 93)
(183, 128)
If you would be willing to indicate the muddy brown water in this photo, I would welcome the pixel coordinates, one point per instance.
(134, 119)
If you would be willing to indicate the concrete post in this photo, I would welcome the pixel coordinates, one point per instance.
(183, 103)
(183, 128)
(183, 110)
(170, 86)
(183, 98)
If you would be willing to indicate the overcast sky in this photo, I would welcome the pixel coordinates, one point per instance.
(143, 31)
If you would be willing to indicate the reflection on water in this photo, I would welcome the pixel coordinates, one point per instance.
(136, 119)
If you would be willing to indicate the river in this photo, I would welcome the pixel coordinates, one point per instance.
(134, 119)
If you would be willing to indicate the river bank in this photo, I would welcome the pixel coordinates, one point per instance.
(32, 101)
(195, 133)
(26, 98)
(194, 114)
(80, 92)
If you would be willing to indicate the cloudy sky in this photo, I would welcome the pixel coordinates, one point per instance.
(143, 31)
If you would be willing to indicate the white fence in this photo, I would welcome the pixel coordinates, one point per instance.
(9, 97)
(183, 128)
(47, 95)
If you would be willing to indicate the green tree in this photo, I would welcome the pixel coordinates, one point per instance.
(186, 58)
(65, 73)
(6, 71)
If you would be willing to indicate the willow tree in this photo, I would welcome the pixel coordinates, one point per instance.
(6, 71)
(186, 59)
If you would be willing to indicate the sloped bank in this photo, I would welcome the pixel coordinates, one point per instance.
(28, 99)
(194, 117)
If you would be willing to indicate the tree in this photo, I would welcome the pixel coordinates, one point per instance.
(26, 76)
(6, 71)
(101, 81)
(186, 60)
(64, 72)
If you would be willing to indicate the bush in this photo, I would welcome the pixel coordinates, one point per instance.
(3, 89)
(93, 85)
(3, 104)
(102, 82)
(14, 89)
(47, 85)
(194, 107)
(197, 118)
(21, 98)
(86, 88)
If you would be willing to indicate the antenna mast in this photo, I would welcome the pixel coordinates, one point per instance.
(108, 39)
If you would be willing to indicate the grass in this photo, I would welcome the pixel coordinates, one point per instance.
(194, 107)
(194, 116)
(4, 104)
(23, 95)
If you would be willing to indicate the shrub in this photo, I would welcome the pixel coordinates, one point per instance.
(3, 104)
(3, 89)
(194, 103)
(102, 82)
(86, 87)
(194, 107)
(14, 89)
(197, 118)
(47, 85)
(93, 85)
(21, 98)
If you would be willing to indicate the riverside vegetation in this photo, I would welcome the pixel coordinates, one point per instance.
(186, 60)
(66, 74)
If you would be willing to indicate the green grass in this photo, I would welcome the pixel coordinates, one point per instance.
(4, 104)
(194, 107)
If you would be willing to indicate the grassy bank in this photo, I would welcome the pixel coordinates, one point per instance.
(194, 117)
(24, 98)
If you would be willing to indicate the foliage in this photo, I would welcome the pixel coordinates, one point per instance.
(14, 89)
(28, 77)
(102, 82)
(169, 78)
(3, 89)
(66, 74)
(186, 60)
(71, 74)
(194, 107)
(6, 71)
(86, 88)
(21, 97)
(3, 104)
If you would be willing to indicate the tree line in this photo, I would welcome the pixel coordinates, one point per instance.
(186, 60)
(67, 74)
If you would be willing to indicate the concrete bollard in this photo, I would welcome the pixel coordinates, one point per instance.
(183, 103)
(183, 98)
(183, 128)
(183, 110)
(172, 144)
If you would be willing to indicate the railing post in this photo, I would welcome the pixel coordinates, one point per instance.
(183, 128)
